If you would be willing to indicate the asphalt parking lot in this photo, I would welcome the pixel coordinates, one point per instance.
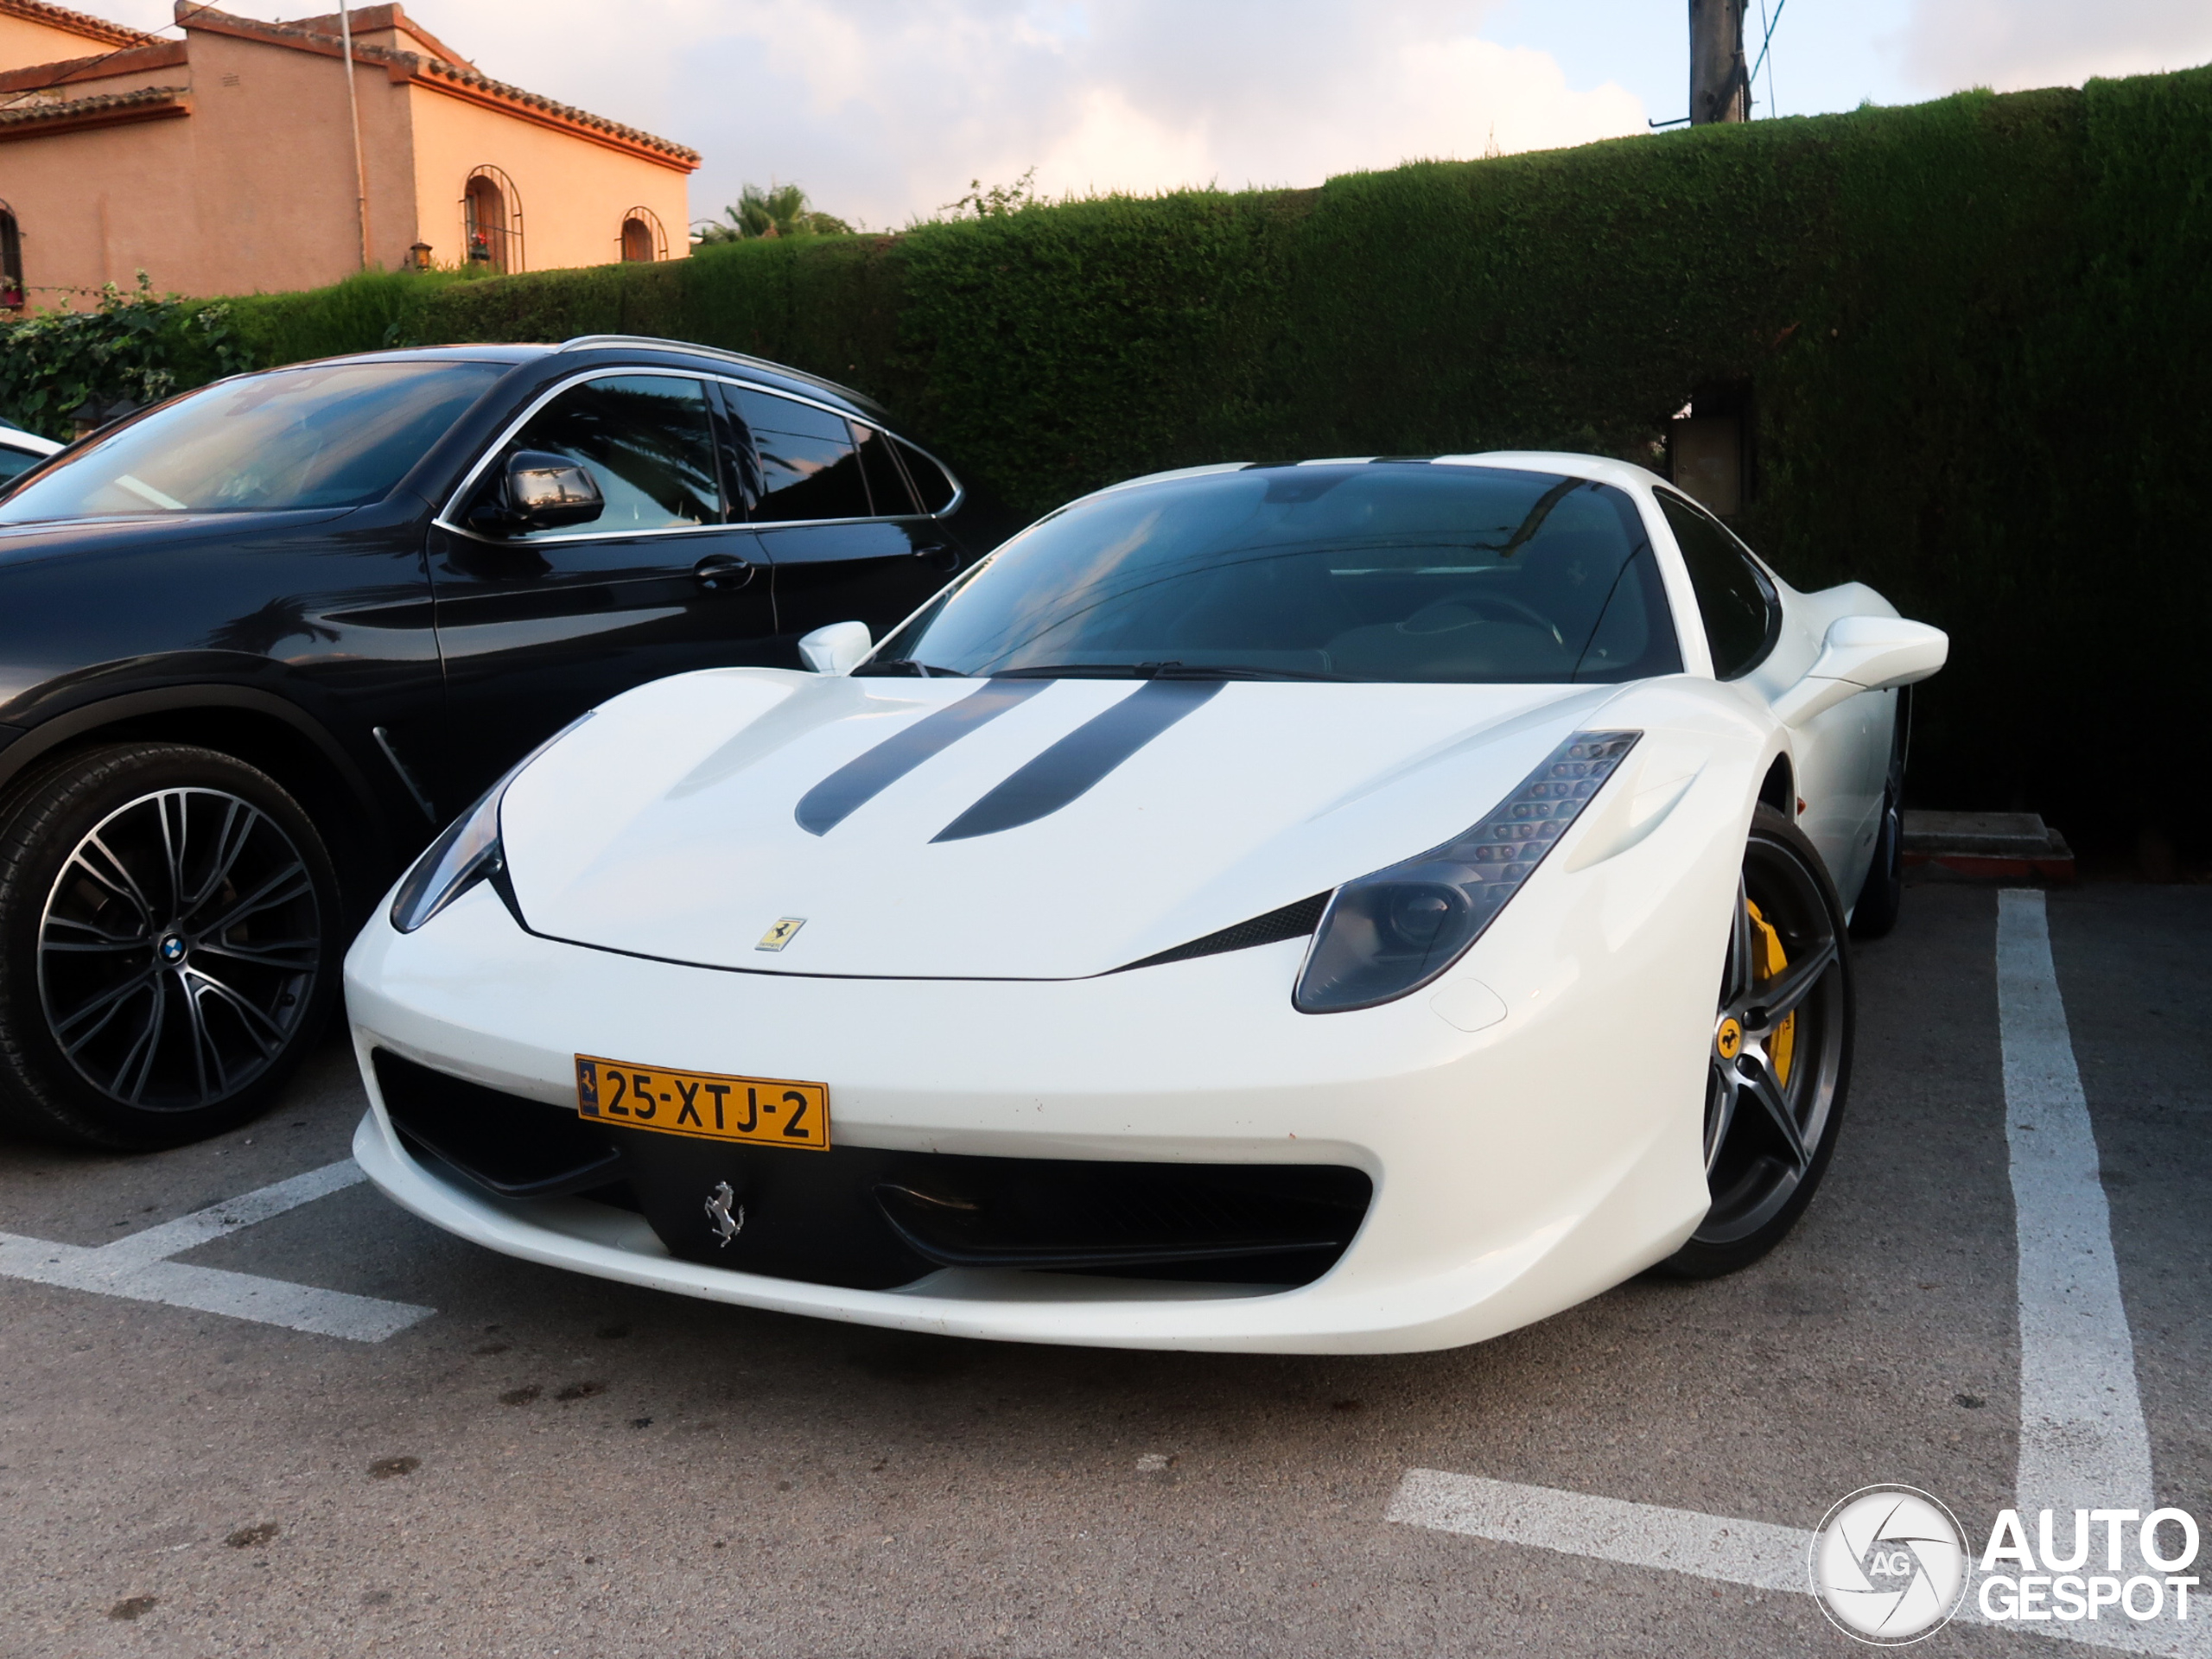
(542, 1464)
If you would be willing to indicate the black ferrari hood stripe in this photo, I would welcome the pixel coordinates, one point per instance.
(1082, 758)
(864, 778)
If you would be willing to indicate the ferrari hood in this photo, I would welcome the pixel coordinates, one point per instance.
(787, 823)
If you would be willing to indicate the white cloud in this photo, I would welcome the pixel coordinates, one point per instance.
(2011, 44)
(885, 109)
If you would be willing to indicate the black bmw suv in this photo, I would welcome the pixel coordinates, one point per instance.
(258, 642)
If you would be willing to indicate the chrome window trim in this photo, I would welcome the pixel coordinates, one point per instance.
(446, 518)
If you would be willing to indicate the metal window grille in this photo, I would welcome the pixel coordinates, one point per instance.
(491, 212)
(642, 237)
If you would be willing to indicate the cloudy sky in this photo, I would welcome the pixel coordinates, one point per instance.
(886, 109)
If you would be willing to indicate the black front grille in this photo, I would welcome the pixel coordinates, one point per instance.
(513, 1147)
(1082, 1214)
(869, 1218)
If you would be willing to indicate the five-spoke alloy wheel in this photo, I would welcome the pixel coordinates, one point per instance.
(1780, 1061)
(169, 935)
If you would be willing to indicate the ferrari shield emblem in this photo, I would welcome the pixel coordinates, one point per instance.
(781, 934)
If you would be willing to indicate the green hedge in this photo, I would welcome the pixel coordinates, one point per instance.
(1977, 335)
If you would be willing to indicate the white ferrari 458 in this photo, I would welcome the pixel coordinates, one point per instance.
(1357, 906)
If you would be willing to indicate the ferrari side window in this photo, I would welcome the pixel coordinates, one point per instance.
(1739, 605)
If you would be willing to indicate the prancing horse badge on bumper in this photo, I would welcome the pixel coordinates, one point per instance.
(781, 934)
(724, 1211)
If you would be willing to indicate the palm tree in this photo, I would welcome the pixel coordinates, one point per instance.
(779, 210)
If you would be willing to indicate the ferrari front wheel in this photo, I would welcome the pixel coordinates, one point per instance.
(1779, 1063)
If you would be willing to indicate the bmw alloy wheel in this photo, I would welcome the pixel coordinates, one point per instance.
(170, 925)
(178, 949)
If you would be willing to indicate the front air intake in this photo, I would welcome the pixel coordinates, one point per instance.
(1291, 921)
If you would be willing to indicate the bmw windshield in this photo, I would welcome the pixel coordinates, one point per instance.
(336, 435)
(1358, 571)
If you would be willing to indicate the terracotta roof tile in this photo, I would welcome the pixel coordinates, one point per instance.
(435, 70)
(75, 22)
(37, 113)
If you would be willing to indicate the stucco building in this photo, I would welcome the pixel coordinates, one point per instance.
(225, 162)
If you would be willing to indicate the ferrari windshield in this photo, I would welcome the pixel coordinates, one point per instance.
(329, 435)
(1384, 571)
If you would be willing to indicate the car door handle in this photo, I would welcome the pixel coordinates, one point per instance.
(723, 572)
(944, 555)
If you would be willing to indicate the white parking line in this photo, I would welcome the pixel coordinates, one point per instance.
(138, 1267)
(1754, 1553)
(2082, 1440)
(1750, 1553)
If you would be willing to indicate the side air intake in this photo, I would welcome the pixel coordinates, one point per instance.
(1291, 921)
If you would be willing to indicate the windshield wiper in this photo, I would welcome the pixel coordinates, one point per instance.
(909, 665)
(1157, 671)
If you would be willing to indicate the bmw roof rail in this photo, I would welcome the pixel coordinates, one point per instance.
(590, 342)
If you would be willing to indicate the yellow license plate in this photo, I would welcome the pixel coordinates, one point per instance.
(767, 1111)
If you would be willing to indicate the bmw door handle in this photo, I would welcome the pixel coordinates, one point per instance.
(723, 572)
(944, 555)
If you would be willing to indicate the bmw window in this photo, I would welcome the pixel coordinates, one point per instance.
(648, 441)
(335, 435)
(809, 466)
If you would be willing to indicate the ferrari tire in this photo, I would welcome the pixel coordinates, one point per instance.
(1778, 1068)
(1883, 895)
(169, 944)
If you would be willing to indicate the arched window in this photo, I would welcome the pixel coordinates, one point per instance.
(491, 212)
(11, 260)
(643, 238)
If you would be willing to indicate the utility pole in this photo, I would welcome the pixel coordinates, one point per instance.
(353, 114)
(1720, 88)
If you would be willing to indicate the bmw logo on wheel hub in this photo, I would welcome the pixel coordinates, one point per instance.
(171, 950)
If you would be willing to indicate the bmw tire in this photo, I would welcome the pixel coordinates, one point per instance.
(171, 938)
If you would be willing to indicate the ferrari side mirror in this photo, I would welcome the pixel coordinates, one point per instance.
(1863, 653)
(837, 649)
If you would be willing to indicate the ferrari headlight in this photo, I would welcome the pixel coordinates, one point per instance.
(466, 852)
(1388, 934)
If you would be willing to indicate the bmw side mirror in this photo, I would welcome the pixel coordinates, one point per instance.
(837, 649)
(539, 492)
(1863, 653)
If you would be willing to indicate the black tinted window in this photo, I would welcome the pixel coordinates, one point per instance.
(887, 485)
(930, 480)
(1387, 573)
(808, 466)
(645, 439)
(1732, 597)
(333, 435)
(14, 463)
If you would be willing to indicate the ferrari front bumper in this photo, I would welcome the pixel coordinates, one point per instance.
(1517, 1169)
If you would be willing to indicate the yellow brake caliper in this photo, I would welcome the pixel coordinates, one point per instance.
(1766, 947)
